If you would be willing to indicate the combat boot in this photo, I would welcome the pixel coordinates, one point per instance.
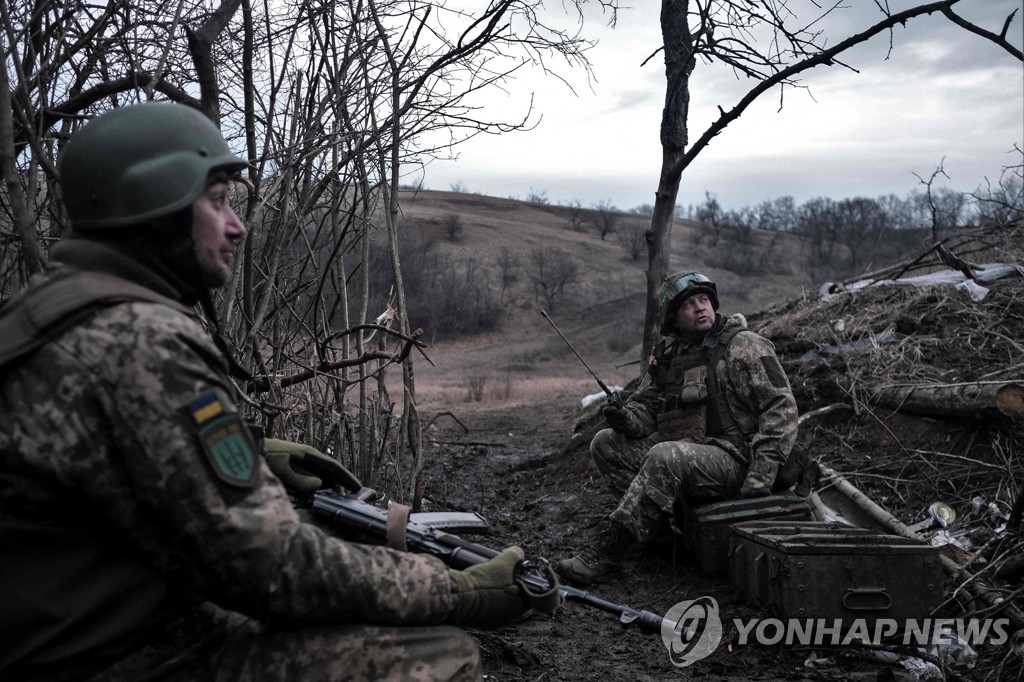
(599, 558)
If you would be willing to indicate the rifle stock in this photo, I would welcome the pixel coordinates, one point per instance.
(354, 513)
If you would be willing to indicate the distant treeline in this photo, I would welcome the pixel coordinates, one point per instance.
(819, 240)
(840, 238)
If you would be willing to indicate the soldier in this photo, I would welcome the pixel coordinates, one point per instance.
(713, 418)
(142, 536)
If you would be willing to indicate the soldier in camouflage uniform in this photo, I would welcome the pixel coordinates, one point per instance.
(142, 536)
(713, 418)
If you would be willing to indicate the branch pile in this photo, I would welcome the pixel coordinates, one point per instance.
(931, 386)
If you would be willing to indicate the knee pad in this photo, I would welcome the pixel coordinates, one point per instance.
(604, 443)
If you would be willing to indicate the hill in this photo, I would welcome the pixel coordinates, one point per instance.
(601, 312)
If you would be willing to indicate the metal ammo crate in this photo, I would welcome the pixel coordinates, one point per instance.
(707, 528)
(829, 570)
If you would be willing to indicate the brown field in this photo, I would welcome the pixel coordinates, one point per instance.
(602, 315)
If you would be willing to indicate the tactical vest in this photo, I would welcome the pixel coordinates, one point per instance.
(40, 314)
(694, 404)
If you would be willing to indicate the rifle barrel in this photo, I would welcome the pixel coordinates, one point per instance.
(456, 552)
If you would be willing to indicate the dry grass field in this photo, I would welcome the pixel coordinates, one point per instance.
(525, 361)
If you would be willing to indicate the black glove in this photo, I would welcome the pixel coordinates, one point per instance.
(487, 595)
(304, 469)
(615, 400)
(616, 418)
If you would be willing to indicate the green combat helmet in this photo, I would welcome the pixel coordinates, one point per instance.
(677, 287)
(136, 163)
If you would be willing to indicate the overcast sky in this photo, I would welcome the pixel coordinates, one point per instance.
(942, 94)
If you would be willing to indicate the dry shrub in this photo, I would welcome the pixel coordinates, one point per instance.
(503, 389)
(475, 388)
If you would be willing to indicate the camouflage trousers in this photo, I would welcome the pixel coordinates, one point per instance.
(663, 472)
(234, 648)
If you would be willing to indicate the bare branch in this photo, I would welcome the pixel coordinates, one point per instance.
(999, 40)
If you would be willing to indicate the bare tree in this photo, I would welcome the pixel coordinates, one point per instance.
(538, 197)
(1002, 203)
(554, 272)
(758, 39)
(453, 226)
(508, 270)
(605, 217)
(709, 214)
(577, 217)
(328, 101)
(943, 206)
(631, 236)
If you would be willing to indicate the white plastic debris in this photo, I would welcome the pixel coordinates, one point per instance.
(817, 661)
(917, 668)
(954, 651)
(986, 273)
(589, 400)
(974, 290)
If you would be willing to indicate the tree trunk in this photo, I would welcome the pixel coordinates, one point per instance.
(31, 252)
(679, 65)
(996, 399)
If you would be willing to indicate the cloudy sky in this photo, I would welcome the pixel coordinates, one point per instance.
(943, 95)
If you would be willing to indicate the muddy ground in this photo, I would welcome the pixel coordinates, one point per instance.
(518, 462)
(538, 489)
(522, 469)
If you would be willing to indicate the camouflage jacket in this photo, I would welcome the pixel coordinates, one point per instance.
(117, 513)
(757, 394)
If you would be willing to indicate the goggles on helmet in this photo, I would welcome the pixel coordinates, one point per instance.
(691, 280)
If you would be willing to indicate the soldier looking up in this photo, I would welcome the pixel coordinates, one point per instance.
(713, 418)
(142, 534)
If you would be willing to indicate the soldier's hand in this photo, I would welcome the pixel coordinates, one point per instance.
(304, 469)
(486, 595)
(617, 418)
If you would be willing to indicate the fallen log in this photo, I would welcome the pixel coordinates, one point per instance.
(977, 399)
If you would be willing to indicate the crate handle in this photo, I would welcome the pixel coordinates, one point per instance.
(856, 593)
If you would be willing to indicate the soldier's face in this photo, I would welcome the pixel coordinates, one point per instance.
(696, 314)
(216, 231)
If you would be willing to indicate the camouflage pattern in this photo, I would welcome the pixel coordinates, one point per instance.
(123, 529)
(227, 647)
(698, 472)
(620, 457)
(760, 401)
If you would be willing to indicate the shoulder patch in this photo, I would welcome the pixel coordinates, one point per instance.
(226, 441)
(206, 407)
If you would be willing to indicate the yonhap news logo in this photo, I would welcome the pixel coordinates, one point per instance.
(691, 630)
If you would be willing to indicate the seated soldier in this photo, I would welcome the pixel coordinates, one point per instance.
(713, 418)
(143, 537)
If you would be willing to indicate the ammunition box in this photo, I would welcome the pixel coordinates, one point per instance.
(812, 570)
(706, 529)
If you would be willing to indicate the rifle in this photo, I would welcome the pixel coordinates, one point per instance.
(354, 513)
(614, 399)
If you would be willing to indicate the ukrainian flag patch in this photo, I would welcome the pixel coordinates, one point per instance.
(206, 407)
